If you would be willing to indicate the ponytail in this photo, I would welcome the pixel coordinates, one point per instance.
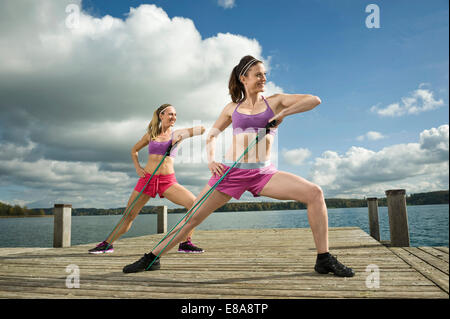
(154, 128)
(235, 86)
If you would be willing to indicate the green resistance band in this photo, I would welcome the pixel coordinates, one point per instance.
(207, 194)
(128, 210)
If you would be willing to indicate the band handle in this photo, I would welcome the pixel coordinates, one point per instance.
(169, 149)
(272, 123)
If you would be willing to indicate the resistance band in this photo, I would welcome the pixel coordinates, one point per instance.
(206, 195)
(128, 210)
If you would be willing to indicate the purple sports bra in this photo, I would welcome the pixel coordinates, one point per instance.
(160, 148)
(245, 123)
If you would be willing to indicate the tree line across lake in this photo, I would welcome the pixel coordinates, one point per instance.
(430, 198)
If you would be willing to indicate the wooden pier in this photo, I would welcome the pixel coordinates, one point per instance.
(255, 263)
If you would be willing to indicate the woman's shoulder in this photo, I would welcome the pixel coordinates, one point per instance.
(274, 97)
(229, 108)
(274, 100)
(146, 137)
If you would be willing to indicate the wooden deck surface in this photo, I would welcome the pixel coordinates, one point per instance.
(256, 263)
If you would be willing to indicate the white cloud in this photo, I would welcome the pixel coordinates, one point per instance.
(227, 4)
(421, 100)
(371, 136)
(62, 181)
(296, 156)
(416, 167)
(110, 69)
(435, 140)
(76, 99)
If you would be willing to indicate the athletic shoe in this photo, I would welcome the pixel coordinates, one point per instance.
(142, 264)
(102, 248)
(331, 264)
(189, 248)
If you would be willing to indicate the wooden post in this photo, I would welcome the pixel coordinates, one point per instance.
(374, 226)
(162, 219)
(398, 217)
(62, 220)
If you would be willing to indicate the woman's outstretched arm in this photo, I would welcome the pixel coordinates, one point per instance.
(288, 104)
(179, 135)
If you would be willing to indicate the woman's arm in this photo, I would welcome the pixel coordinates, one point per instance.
(134, 154)
(182, 134)
(221, 124)
(288, 104)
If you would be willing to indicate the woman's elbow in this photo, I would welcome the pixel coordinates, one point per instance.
(210, 137)
(317, 100)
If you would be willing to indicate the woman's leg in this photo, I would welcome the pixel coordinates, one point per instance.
(215, 200)
(126, 221)
(179, 195)
(286, 186)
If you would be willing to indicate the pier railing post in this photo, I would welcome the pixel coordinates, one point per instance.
(62, 220)
(398, 217)
(374, 226)
(162, 219)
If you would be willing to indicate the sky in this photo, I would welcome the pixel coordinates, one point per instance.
(79, 81)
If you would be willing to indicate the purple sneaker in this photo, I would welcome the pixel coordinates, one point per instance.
(102, 248)
(189, 248)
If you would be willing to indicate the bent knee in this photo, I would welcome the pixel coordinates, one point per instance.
(194, 222)
(190, 203)
(129, 220)
(315, 193)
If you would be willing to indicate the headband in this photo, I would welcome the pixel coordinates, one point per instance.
(164, 109)
(247, 66)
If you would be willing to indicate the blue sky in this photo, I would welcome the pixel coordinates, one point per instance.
(324, 48)
(383, 121)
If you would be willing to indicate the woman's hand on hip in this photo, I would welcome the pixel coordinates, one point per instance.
(140, 171)
(215, 168)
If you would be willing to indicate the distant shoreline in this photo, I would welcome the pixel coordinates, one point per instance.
(178, 211)
(430, 198)
(22, 216)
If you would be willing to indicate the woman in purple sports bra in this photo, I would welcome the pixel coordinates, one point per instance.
(159, 137)
(249, 112)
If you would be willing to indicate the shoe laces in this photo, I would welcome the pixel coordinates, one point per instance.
(337, 264)
(188, 243)
(143, 260)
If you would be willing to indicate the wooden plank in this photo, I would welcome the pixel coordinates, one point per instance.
(429, 257)
(429, 271)
(110, 291)
(19, 250)
(434, 251)
(442, 248)
(261, 263)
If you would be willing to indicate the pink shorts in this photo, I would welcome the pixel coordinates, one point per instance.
(158, 185)
(239, 180)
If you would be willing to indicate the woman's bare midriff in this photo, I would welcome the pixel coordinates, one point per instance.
(258, 153)
(166, 167)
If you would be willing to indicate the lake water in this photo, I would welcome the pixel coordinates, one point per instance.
(428, 225)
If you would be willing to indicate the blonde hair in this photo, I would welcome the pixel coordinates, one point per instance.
(154, 128)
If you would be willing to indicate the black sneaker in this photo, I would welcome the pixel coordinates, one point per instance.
(102, 248)
(331, 264)
(142, 265)
(189, 248)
